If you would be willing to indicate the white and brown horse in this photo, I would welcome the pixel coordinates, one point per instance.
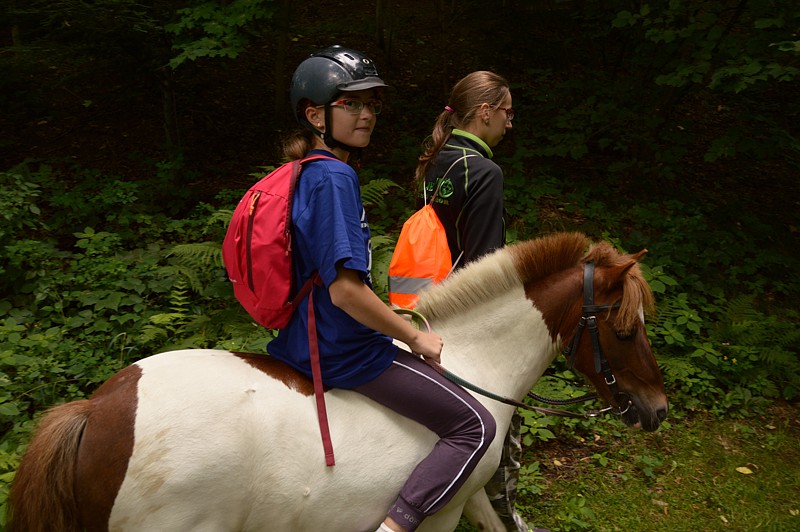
(207, 440)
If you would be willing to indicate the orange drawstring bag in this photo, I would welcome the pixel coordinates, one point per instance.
(421, 256)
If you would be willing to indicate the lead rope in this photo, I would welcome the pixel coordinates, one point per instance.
(507, 400)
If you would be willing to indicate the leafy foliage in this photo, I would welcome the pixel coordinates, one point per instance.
(211, 29)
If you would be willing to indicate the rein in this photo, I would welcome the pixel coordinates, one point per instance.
(507, 400)
(601, 364)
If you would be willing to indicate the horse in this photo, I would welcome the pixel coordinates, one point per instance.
(212, 440)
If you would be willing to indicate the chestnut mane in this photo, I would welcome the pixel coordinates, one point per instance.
(528, 261)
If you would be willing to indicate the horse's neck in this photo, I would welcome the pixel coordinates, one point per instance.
(502, 346)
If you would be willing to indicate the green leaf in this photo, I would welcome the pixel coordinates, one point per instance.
(9, 409)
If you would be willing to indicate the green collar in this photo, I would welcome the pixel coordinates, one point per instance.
(476, 139)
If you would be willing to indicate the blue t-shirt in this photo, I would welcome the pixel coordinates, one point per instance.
(330, 228)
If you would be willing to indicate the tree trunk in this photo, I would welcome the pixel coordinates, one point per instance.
(384, 27)
(281, 82)
(172, 135)
(16, 33)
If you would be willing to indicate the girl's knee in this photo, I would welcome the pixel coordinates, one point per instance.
(490, 428)
(483, 428)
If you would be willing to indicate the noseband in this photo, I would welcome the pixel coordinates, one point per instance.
(589, 319)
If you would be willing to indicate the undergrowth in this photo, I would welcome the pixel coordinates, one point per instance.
(83, 300)
(697, 473)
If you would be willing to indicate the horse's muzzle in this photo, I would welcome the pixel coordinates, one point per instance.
(647, 417)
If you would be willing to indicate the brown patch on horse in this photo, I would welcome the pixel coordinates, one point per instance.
(281, 371)
(106, 447)
(547, 265)
(558, 259)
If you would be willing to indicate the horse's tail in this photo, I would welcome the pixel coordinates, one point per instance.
(42, 496)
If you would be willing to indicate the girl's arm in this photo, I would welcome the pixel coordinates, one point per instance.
(358, 300)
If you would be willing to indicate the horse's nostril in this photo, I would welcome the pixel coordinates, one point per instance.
(662, 414)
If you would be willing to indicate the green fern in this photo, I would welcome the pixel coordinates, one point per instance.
(373, 192)
(742, 308)
(668, 310)
(677, 369)
(197, 263)
(221, 217)
(198, 254)
(189, 274)
(151, 334)
(743, 324)
(382, 249)
(179, 300)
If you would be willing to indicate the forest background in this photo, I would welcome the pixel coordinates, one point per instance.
(129, 129)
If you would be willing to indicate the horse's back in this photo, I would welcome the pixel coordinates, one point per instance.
(212, 440)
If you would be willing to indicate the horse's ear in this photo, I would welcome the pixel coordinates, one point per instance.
(617, 273)
(620, 271)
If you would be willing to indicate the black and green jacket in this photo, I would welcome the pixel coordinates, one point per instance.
(470, 198)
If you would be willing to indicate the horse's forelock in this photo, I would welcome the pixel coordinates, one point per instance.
(636, 293)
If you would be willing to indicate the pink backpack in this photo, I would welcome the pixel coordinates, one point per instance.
(257, 252)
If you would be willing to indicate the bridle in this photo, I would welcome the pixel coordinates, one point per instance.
(601, 365)
(589, 320)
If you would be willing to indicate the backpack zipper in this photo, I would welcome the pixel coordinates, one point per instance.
(249, 242)
(287, 232)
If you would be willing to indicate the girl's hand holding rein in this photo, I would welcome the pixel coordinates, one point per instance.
(349, 293)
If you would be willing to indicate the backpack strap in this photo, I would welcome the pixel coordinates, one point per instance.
(313, 344)
(439, 184)
(455, 262)
(316, 371)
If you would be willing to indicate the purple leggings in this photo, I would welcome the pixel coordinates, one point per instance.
(465, 428)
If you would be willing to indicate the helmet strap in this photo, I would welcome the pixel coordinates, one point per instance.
(327, 137)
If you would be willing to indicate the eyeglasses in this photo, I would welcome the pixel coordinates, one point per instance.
(509, 112)
(354, 107)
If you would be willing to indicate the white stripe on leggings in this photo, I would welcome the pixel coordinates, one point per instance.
(483, 428)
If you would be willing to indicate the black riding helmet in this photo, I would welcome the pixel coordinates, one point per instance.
(323, 76)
